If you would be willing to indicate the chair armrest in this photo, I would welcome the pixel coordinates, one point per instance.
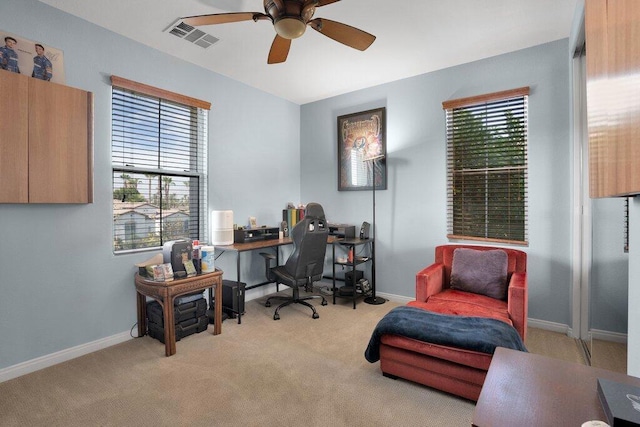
(429, 281)
(517, 302)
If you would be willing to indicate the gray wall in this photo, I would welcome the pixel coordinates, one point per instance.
(633, 344)
(411, 214)
(61, 286)
(609, 279)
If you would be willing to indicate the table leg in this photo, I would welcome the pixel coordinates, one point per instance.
(353, 274)
(169, 327)
(277, 264)
(142, 314)
(217, 309)
(238, 266)
(333, 247)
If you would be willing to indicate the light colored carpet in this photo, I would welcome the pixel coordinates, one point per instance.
(291, 372)
(609, 355)
(555, 344)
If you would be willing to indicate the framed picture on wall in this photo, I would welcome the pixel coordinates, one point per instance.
(31, 58)
(362, 150)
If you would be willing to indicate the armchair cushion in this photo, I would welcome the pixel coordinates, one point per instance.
(459, 303)
(480, 272)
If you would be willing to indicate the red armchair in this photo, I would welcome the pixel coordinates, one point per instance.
(450, 369)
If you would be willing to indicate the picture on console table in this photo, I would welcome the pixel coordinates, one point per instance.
(32, 58)
(362, 150)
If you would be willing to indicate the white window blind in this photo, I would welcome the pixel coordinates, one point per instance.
(159, 162)
(487, 167)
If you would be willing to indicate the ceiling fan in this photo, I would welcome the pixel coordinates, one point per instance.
(290, 19)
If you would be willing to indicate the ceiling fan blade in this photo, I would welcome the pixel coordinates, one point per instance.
(223, 18)
(343, 33)
(325, 2)
(279, 50)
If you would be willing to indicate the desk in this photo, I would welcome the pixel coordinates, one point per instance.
(525, 389)
(166, 292)
(252, 246)
(259, 244)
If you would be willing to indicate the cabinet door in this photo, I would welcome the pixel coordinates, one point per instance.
(60, 144)
(613, 96)
(14, 145)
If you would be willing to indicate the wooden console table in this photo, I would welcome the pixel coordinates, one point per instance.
(166, 292)
(525, 389)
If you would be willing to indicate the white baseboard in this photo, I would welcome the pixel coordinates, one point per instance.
(550, 326)
(565, 329)
(618, 337)
(61, 356)
(395, 298)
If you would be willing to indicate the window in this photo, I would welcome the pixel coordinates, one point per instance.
(159, 162)
(487, 167)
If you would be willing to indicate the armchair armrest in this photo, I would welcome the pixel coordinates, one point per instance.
(517, 302)
(429, 281)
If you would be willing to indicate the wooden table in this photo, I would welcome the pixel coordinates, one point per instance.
(524, 389)
(166, 292)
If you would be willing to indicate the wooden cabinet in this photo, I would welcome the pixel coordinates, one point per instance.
(46, 142)
(14, 138)
(612, 29)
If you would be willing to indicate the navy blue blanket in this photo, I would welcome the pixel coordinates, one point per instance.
(471, 333)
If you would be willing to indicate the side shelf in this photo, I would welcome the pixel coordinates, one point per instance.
(350, 244)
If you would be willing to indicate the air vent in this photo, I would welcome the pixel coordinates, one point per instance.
(191, 34)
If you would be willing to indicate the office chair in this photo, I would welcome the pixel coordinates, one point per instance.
(305, 264)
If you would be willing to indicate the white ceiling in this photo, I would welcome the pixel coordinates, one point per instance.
(413, 37)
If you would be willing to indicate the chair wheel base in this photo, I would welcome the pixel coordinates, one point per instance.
(267, 304)
(315, 315)
(324, 302)
(276, 316)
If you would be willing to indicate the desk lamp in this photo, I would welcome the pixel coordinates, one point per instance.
(373, 299)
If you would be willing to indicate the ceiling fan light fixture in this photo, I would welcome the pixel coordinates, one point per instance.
(290, 27)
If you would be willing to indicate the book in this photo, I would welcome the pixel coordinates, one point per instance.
(167, 270)
(620, 402)
(145, 269)
(158, 272)
(292, 216)
(190, 268)
(162, 272)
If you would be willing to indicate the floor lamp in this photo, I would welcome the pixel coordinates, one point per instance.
(373, 299)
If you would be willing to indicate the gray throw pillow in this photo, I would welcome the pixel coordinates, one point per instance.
(480, 272)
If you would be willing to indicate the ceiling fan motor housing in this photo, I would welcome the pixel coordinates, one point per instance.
(290, 17)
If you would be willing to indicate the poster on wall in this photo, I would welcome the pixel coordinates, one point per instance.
(362, 150)
(31, 58)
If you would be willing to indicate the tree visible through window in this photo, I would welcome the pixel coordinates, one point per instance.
(159, 166)
(487, 167)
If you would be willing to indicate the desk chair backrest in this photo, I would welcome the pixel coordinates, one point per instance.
(309, 245)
